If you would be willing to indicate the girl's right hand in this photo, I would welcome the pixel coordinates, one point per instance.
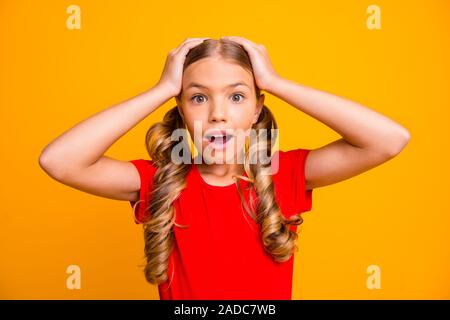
(172, 74)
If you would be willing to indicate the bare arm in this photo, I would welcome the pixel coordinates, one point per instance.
(369, 138)
(76, 158)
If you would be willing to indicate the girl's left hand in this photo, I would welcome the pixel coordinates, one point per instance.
(263, 70)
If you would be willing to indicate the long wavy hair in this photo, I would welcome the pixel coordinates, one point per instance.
(170, 178)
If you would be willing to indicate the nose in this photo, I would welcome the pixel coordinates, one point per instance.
(218, 113)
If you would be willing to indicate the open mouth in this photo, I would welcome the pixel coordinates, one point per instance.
(218, 138)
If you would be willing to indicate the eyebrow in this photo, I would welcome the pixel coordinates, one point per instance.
(198, 85)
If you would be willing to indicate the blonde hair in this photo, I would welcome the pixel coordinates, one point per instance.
(170, 178)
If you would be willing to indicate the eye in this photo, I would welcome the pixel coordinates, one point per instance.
(196, 96)
(238, 94)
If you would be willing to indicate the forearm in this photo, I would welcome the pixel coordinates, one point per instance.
(358, 125)
(83, 144)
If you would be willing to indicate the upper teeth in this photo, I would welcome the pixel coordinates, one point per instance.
(216, 136)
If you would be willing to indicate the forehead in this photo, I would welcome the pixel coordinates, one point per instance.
(215, 72)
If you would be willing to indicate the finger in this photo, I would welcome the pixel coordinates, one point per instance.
(187, 40)
(192, 39)
(190, 43)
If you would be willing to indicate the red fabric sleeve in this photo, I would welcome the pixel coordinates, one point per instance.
(146, 172)
(302, 198)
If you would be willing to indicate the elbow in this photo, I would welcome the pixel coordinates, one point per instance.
(49, 166)
(44, 163)
(398, 142)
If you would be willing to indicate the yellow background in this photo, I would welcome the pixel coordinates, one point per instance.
(395, 216)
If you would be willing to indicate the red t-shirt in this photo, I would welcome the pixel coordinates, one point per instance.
(220, 254)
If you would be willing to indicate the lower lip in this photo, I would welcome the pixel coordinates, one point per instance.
(219, 146)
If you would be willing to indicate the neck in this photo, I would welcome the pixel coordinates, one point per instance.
(221, 170)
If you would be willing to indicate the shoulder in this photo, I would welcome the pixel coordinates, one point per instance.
(144, 166)
(146, 170)
(289, 181)
(284, 161)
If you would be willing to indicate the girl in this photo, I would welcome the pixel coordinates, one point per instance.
(216, 230)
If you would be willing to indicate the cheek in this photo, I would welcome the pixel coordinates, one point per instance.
(194, 116)
(193, 122)
(242, 118)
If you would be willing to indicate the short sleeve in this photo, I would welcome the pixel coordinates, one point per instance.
(146, 171)
(301, 199)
